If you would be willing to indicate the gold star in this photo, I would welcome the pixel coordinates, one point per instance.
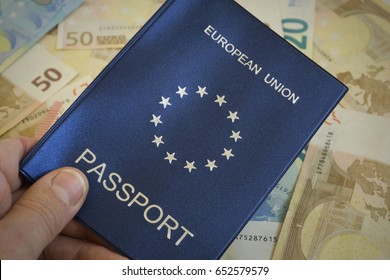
(158, 140)
(190, 166)
(211, 164)
(220, 100)
(235, 136)
(228, 153)
(156, 120)
(170, 157)
(233, 116)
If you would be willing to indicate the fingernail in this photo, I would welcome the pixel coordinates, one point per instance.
(69, 186)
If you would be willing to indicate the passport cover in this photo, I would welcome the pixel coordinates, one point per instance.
(187, 130)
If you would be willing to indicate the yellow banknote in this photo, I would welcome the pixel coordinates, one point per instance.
(340, 208)
(352, 41)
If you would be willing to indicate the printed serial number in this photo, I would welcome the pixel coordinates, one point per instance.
(242, 270)
(35, 116)
(283, 189)
(324, 154)
(256, 238)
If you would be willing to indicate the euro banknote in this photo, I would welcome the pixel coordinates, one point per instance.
(29, 82)
(36, 124)
(50, 68)
(100, 24)
(352, 41)
(23, 23)
(298, 23)
(340, 208)
(258, 238)
(267, 11)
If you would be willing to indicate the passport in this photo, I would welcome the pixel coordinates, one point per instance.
(187, 130)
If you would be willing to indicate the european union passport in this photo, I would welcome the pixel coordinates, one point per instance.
(187, 130)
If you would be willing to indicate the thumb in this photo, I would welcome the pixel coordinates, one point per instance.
(41, 213)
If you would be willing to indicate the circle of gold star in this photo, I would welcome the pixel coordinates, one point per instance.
(191, 166)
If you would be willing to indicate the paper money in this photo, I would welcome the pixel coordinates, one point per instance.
(340, 208)
(29, 82)
(36, 124)
(39, 73)
(267, 11)
(104, 24)
(85, 62)
(15, 104)
(258, 238)
(22, 23)
(298, 23)
(352, 41)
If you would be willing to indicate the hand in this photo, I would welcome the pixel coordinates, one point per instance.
(32, 219)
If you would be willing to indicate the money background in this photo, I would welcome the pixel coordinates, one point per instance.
(339, 187)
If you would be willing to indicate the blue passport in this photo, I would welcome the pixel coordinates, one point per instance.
(187, 130)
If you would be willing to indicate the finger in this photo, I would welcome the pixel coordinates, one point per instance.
(68, 248)
(5, 195)
(12, 150)
(41, 213)
(18, 193)
(76, 230)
